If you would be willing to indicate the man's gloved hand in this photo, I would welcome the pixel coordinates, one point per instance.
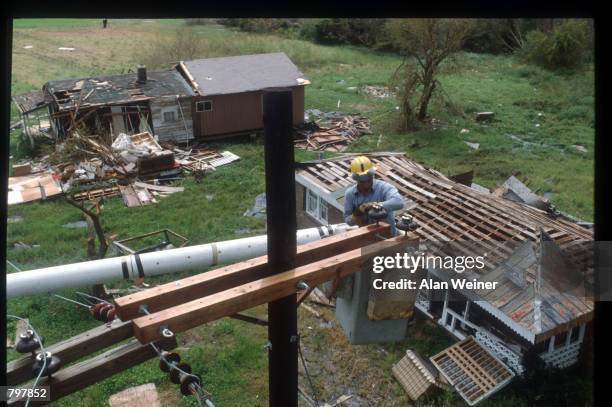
(358, 219)
(364, 208)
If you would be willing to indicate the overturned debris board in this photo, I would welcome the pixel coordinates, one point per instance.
(226, 158)
(472, 370)
(32, 188)
(134, 196)
(416, 375)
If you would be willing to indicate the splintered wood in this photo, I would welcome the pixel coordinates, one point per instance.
(474, 372)
(340, 133)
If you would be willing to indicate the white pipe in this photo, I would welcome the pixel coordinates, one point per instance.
(151, 264)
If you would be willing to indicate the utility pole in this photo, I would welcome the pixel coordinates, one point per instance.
(282, 226)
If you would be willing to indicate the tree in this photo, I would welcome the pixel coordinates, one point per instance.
(425, 44)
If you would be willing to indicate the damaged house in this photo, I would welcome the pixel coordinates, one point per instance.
(533, 254)
(203, 98)
(158, 102)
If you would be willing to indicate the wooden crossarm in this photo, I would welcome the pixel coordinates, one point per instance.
(69, 350)
(80, 375)
(212, 307)
(201, 285)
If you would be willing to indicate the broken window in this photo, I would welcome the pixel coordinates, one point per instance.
(204, 106)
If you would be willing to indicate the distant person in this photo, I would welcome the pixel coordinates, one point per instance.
(104, 23)
(367, 193)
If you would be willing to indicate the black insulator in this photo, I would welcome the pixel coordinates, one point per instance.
(188, 383)
(377, 212)
(175, 374)
(170, 358)
(27, 342)
(52, 366)
(407, 224)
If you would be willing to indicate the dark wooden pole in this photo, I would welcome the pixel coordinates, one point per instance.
(282, 226)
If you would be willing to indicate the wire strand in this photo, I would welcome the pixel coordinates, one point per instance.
(42, 350)
(314, 393)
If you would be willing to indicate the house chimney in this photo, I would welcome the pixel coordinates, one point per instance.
(142, 74)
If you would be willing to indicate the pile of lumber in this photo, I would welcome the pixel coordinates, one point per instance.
(339, 131)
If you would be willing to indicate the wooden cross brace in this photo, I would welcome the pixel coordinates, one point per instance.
(196, 300)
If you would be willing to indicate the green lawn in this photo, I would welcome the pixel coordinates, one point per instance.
(229, 353)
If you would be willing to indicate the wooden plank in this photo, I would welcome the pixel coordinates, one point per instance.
(228, 302)
(160, 188)
(83, 374)
(71, 349)
(190, 288)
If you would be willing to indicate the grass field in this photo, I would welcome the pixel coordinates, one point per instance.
(539, 116)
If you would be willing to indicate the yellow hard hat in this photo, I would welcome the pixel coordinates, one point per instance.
(362, 167)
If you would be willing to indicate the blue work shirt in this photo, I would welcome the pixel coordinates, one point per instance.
(380, 191)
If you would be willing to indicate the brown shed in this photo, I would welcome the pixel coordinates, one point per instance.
(228, 91)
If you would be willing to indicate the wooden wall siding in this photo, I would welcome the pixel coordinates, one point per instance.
(238, 113)
(174, 131)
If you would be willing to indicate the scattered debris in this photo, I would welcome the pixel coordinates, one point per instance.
(331, 131)
(259, 209)
(484, 116)
(378, 91)
(90, 167)
(473, 146)
(75, 225)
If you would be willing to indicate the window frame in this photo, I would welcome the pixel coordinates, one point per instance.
(173, 110)
(203, 104)
(316, 206)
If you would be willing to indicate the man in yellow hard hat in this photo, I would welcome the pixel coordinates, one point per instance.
(367, 193)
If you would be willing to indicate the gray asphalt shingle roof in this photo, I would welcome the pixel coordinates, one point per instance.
(218, 76)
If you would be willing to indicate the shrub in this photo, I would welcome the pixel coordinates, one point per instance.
(487, 36)
(567, 46)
